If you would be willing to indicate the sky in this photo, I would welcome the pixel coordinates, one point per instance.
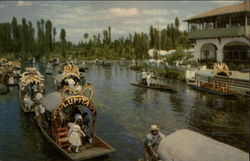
(124, 17)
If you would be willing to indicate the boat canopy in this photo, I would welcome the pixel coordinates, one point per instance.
(56, 102)
(70, 70)
(206, 73)
(188, 145)
(51, 100)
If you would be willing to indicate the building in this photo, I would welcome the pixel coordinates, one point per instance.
(222, 34)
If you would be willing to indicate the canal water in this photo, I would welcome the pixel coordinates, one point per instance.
(124, 115)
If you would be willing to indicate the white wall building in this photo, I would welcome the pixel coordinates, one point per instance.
(222, 34)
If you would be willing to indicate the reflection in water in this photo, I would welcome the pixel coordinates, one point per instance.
(124, 115)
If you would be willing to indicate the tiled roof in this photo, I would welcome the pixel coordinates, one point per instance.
(242, 7)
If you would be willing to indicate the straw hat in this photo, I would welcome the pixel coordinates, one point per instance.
(154, 127)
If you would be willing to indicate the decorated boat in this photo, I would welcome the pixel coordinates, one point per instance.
(60, 111)
(8, 73)
(69, 72)
(207, 81)
(31, 83)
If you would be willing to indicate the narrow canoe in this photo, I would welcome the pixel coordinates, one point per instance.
(155, 86)
(101, 148)
(211, 91)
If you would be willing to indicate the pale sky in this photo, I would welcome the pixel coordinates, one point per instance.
(79, 17)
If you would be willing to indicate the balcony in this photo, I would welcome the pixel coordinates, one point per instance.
(233, 31)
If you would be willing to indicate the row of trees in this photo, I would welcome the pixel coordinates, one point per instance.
(22, 40)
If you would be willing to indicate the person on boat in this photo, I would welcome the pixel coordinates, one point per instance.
(11, 80)
(71, 82)
(27, 100)
(75, 136)
(152, 142)
(78, 87)
(148, 79)
(143, 76)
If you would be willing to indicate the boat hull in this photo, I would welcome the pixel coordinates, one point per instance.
(86, 154)
(210, 91)
(152, 86)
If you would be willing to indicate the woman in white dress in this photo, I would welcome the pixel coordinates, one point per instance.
(75, 136)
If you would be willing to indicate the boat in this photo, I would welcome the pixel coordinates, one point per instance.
(211, 90)
(55, 61)
(69, 71)
(48, 69)
(207, 81)
(8, 73)
(31, 80)
(59, 104)
(154, 86)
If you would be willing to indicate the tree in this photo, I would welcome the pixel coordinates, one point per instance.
(16, 35)
(24, 36)
(86, 36)
(177, 23)
(63, 41)
(48, 36)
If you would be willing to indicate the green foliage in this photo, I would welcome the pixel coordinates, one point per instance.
(21, 41)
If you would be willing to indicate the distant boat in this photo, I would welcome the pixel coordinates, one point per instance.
(154, 86)
(48, 69)
(29, 79)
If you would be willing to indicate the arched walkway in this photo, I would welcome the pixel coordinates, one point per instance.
(236, 52)
(208, 52)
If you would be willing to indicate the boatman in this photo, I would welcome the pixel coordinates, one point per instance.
(148, 78)
(152, 142)
(143, 76)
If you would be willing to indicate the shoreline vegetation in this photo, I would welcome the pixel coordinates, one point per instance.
(24, 40)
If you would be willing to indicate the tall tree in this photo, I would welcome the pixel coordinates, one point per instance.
(177, 23)
(63, 41)
(16, 34)
(48, 36)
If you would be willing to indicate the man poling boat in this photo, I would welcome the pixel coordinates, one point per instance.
(148, 80)
(69, 124)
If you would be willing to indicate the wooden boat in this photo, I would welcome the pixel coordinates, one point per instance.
(30, 78)
(211, 91)
(154, 86)
(56, 131)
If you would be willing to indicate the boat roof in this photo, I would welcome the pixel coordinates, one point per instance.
(206, 73)
(51, 100)
(203, 148)
(236, 8)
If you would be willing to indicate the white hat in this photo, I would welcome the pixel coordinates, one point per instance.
(154, 127)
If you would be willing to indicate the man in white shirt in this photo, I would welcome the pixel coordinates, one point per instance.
(152, 141)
